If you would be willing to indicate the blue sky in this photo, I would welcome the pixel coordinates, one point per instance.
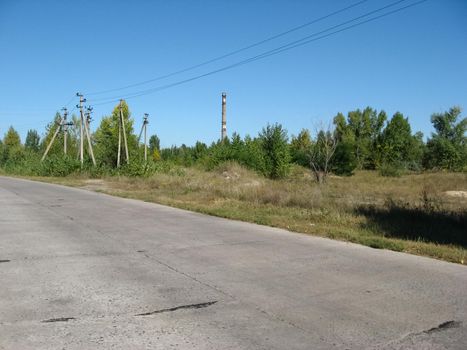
(414, 61)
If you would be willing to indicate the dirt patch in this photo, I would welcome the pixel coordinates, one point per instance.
(230, 175)
(95, 185)
(457, 194)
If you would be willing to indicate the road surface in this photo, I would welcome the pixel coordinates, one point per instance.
(83, 270)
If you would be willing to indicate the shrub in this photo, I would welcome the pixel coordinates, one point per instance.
(343, 161)
(59, 165)
(273, 139)
(393, 169)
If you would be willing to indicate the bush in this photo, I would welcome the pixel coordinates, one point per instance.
(393, 169)
(274, 143)
(343, 161)
(59, 165)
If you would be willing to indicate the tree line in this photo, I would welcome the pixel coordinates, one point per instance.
(363, 139)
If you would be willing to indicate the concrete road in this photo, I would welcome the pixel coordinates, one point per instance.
(82, 270)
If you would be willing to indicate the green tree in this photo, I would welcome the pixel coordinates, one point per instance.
(106, 137)
(12, 148)
(396, 140)
(72, 137)
(274, 142)
(343, 161)
(322, 153)
(154, 143)
(57, 147)
(32, 141)
(253, 156)
(361, 132)
(300, 147)
(199, 150)
(447, 147)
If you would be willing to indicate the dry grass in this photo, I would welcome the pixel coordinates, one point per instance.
(411, 213)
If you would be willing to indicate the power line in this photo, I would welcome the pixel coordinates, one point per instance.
(286, 47)
(70, 101)
(218, 58)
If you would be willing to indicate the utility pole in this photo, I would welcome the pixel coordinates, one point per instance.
(144, 127)
(81, 129)
(65, 129)
(62, 124)
(119, 135)
(145, 135)
(59, 123)
(88, 116)
(224, 121)
(88, 135)
(121, 129)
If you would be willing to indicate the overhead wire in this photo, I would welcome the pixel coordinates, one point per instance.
(300, 42)
(218, 58)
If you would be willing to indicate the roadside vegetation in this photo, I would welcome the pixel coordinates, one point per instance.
(367, 179)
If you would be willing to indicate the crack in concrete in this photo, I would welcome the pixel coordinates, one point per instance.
(4, 261)
(443, 326)
(59, 319)
(257, 307)
(439, 328)
(181, 307)
(72, 255)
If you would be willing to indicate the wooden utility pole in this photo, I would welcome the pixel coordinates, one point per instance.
(119, 136)
(62, 124)
(145, 137)
(59, 123)
(81, 127)
(88, 116)
(144, 128)
(65, 129)
(121, 129)
(224, 120)
(88, 135)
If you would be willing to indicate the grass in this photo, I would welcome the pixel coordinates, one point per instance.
(410, 213)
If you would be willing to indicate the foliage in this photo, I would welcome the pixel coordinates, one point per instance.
(59, 165)
(32, 141)
(106, 137)
(273, 140)
(57, 147)
(154, 143)
(361, 130)
(363, 139)
(156, 155)
(399, 150)
(321, 154)
(344, 162)
(447, 148)
(300, 148)
(12, 149)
